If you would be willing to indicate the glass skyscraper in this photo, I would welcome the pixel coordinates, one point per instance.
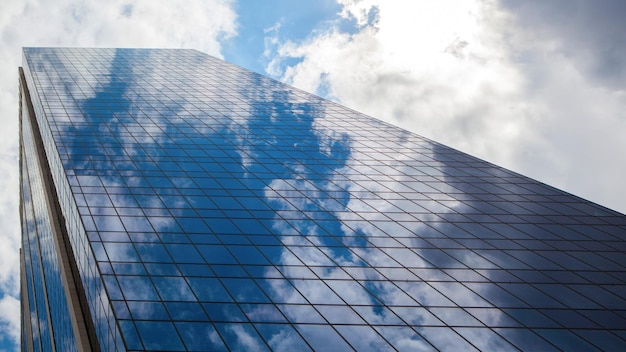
(171, 201)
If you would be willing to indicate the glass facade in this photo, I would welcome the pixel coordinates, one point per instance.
(47, 306)
(211, 208)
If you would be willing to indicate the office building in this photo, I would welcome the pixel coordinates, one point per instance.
(172, 201)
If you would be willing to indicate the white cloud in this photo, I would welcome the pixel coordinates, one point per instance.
(120, 23)
(472, 75)
(197, 24)
(9, 243)
(9, 319)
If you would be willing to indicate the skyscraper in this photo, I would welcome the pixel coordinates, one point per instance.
(172, 201)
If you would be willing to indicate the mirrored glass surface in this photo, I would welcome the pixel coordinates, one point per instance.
(227, 211)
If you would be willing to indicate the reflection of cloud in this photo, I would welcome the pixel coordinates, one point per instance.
(286, 340)
(284, 194)
(384, 247)
(404, 339)
(245, 340)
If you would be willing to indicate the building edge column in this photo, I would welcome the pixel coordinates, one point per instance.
(80, 315)
(25, 308)
(24, 302)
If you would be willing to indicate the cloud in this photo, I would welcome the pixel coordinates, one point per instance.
(197, 24)
(9, 244)
(9, 319)
(588, 34)
(119, 23)
(482, 77)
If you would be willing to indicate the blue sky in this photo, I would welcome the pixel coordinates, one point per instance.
(289, 20)
(535, 86)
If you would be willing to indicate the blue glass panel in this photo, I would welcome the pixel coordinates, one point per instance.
(121, 252)
(108, 223)
(446, 339)
(209, 289)
(136, 224)
(604, 340)
(130, 335)
(200, 337)
(173, 289)
(224, 312)
(245, 290)
(159, 336)
(263, 313)
(566, 340)
(216, 254)
(137, 288)
(282, 337)
(184, 253)
(147, 310)
(248, 255)
(162, 269)
(241, 337)
(153, 252)
(532, 318)
(323, 338)
(187, 311)
(485, 339)
(302, 314)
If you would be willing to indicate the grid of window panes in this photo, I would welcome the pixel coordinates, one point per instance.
(227, 211)
(49, 89)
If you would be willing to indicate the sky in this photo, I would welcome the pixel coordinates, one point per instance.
(538, 87)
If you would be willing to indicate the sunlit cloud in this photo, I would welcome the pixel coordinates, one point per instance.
(497, 80)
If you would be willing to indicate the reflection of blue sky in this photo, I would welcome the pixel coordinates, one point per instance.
(311, 196)
(262, 27)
